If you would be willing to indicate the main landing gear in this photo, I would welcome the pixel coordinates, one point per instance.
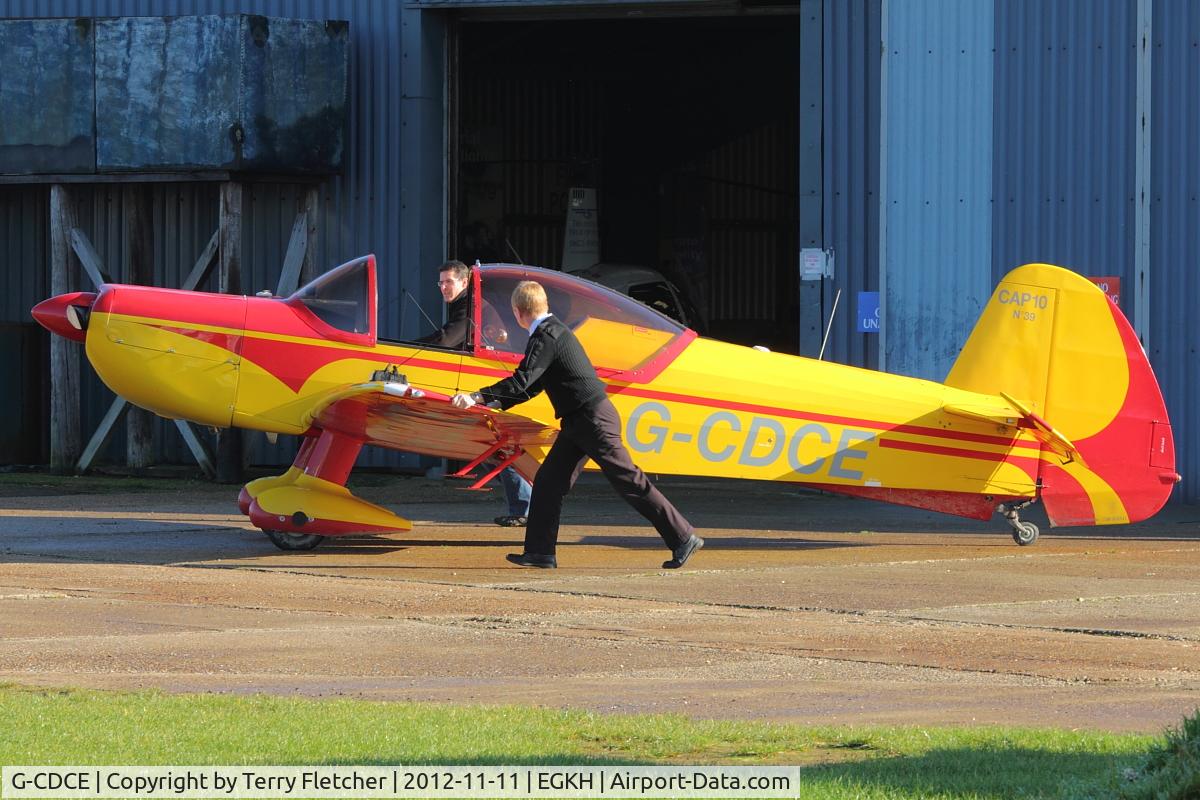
(1024, 532)
(309, 503)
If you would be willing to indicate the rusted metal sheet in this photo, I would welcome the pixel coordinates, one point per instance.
(46, 96)
(294, 102)
(167, 92)
(235, 92)
(244, 92)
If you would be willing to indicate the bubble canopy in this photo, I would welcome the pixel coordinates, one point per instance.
(618, 333)
(621, 335)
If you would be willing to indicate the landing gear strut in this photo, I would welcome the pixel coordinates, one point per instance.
(310, 502)
(1024, 533)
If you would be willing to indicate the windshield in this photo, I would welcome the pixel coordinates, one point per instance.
(343, 298)
(617, 332)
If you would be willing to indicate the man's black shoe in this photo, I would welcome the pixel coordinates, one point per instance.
(681, 554)
(533, 560)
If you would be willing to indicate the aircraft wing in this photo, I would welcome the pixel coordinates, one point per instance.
(403, 417)
(1016, 414)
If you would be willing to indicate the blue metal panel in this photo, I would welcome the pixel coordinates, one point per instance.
(1064, 136)
(850, 180)
(1175, 226)
(938, 179)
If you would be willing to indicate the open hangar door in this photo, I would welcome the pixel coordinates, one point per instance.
(686, 131)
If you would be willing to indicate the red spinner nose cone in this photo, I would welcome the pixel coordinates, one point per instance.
(66, 314)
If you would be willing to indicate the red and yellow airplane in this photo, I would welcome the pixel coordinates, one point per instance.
(1052, 397)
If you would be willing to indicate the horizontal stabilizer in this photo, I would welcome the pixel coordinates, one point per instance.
(1017, 414)
(1001, 415)
(1046, 433)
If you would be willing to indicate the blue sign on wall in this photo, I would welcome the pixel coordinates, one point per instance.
(868, 312)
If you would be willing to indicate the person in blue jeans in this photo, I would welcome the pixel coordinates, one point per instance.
(453, 278)
(516, 492)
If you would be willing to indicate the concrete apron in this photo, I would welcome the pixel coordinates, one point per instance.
(801, 607)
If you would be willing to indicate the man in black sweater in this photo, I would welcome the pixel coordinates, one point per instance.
(555, 362)
(453, 278)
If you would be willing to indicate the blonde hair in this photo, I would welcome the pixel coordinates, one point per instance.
(530, 298)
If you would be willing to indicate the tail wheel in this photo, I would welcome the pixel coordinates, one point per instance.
(301, 541)
(1025, 533)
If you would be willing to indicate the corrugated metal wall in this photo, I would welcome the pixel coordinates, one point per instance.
(24, 218)
(24, 239)
(851, 168)
(1175, 226)
(373, 207)
(937, 174)
(1064, 136)
(1063, 167)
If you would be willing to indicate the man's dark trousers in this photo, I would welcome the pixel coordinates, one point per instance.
(595, 432)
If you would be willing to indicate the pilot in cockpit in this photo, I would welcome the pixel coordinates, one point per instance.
(453, 278)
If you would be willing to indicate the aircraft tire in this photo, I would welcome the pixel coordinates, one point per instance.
(285, 540)
(1025, 534)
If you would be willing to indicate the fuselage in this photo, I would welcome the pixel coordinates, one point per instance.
(712, 408)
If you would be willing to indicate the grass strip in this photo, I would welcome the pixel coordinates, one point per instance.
(42, 726)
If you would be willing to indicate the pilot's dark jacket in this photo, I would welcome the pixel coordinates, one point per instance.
(591, 428)
(554, 361)
(454, 332)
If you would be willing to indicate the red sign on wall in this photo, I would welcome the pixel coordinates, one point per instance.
(1110, 286)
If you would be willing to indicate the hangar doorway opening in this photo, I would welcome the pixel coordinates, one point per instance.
(683, 132)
